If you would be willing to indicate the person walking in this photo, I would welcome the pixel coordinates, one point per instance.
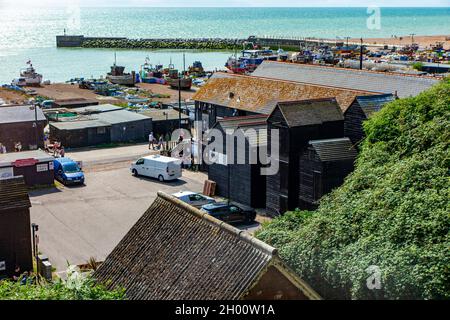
(2, 148)
(151, 141)
(160, 142)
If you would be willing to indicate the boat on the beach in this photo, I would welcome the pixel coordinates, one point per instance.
(28, 77)
(150, 73)
(197, 69)
(178, 81)
(250, 60)
(118, 76)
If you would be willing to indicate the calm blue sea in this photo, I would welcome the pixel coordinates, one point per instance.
(30, 33)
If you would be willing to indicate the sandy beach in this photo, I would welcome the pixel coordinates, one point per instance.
(422, 41)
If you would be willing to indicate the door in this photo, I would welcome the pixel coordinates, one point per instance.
(235, 214)
(141, 169)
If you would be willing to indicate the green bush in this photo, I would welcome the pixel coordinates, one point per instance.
(75, 288)
(392, 212)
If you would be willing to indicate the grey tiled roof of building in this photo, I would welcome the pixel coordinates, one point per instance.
(404, 85)
(175, 251)
(334, 149)
(309, 112)
(371, 104)
(79, 124)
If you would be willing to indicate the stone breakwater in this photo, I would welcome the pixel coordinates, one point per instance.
(125, 43)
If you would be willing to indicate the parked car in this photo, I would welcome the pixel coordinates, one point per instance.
(230, 212)
(68, 171)
(193, 198)
(156, 166)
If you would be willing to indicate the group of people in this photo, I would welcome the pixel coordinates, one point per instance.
(152, 142)
(17, 147)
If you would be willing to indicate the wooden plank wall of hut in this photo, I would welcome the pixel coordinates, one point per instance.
(354, 117)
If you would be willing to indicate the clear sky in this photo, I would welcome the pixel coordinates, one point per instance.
(231, 3)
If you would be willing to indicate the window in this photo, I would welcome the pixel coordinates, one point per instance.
(234, 209)
(140, 161)
(195, 197)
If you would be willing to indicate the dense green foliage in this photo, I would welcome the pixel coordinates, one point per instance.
(392, 211)
(58, 290)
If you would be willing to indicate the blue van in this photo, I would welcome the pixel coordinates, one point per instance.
(67, 171)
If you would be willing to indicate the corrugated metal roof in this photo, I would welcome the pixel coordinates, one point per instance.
(160, 115)
(334, 149)
(80, 124)
(175, 251)
(371, 104)
(310, 112)
(260, 95)
(404, 85)
(13, 194)
(20, 114)
(97, 108)
(119, 116)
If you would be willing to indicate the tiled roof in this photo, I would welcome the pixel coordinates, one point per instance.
(260, 95)
(404, 85)
(175, 251)
(334, 149)
(20, 114)
(13, 194)
(310, 112)
(371, 104)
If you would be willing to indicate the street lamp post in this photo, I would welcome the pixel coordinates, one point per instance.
(35, 228)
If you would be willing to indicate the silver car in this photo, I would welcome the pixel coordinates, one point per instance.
(193, 198)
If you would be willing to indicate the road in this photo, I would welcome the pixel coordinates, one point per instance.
(79, 222)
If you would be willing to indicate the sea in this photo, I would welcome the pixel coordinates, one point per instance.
(29, 33)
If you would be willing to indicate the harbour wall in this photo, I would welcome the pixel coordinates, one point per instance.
(198, 43)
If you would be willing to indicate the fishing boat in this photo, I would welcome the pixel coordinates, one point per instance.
(177, 80)
(28, 77)
(197, 69)
(118, 76)
(282, 55)
(250, 60)
(183, 82)
(150, 73)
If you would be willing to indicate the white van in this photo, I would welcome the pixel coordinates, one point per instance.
(156, 166)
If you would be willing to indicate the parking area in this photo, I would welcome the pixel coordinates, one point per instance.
(79, 222)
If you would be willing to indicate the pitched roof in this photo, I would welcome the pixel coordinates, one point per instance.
(260, 95)
(175, 251)
(371, 104)
(20, 114)
(382, 82)
(13, 194)
(334, 149)
(310, 112)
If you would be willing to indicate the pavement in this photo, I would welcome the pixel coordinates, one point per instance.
(97, 156)
(80, 222)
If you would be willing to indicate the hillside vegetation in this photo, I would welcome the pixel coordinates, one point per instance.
(392, 212)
